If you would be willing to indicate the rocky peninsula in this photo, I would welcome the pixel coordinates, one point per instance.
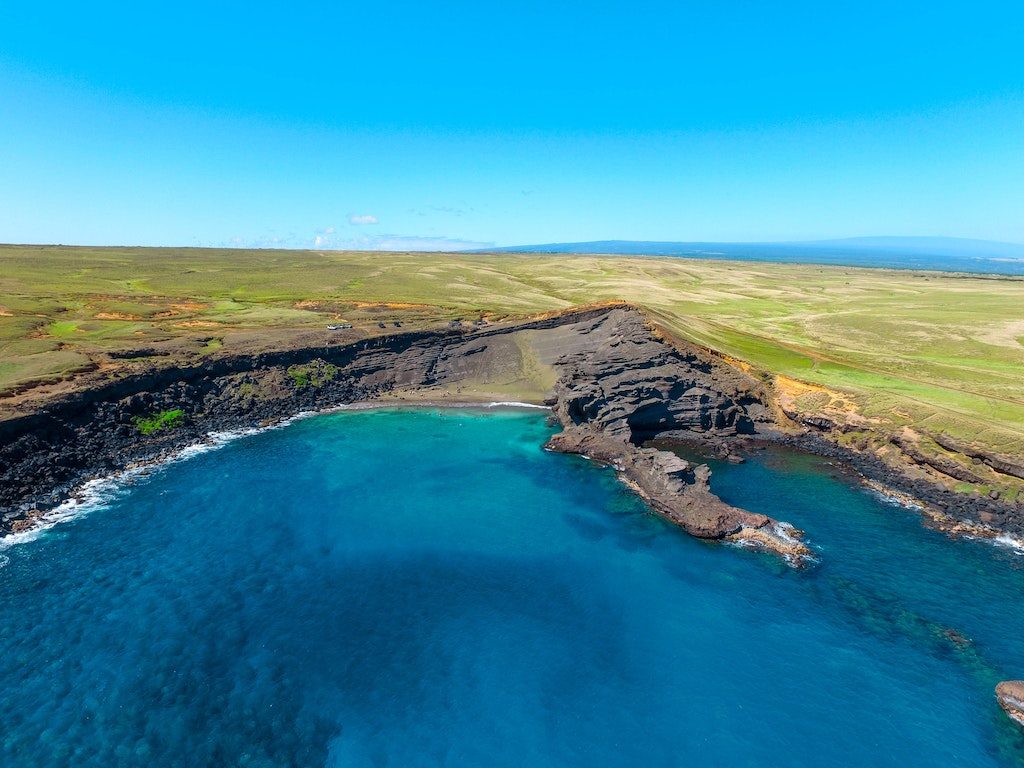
(613, 380)
(1010, 695)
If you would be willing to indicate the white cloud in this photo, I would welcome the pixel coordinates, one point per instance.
(359, 219)
(323, 237)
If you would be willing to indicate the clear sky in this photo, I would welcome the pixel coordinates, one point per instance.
(428, 124)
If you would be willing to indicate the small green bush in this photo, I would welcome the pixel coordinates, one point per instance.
(314, 374)
(147, 425)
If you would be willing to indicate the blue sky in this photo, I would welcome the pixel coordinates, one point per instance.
(434, 125)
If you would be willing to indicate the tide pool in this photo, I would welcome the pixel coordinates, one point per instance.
(421, 588)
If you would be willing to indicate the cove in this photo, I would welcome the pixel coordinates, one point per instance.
(427, 587)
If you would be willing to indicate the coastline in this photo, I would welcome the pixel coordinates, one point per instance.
(93, 493)
(924, 499)
(51, 449)
(611, 369)
(933, 517)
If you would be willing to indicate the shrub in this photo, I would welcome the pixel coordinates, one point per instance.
(147, 425)
(314, 374)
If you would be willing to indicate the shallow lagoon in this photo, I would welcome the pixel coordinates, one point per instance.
(423, 588)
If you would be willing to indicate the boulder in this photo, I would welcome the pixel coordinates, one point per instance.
(1010, 695)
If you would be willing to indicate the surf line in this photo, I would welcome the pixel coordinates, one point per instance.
(98, 492)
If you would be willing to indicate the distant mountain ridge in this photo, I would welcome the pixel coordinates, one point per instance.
(947, 254)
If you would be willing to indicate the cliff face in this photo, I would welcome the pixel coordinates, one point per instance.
(94, 430)
(611, 382)
(954, 479)
(622, 386)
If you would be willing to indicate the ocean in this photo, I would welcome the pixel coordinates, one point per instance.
(429, 587)
(938, 254)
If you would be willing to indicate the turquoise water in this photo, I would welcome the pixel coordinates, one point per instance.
(431, 588)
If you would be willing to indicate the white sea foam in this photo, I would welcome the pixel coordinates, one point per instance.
(1001, 540)
(99, 492)
(785, 533)
(91, 495)
(1010, 542)
(893, 498)
(982, 532)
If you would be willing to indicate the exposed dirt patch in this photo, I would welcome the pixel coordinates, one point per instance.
(175, 309)
(1006, 335)
(818, 406)
(737, 363)
(115, 316)
(791, 388)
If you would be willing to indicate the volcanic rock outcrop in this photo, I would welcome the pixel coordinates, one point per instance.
(612, 382)
(1010, 695)
(628, 386)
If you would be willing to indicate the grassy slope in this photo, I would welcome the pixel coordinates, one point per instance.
(939, 351)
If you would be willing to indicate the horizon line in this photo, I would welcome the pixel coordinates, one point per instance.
(490, 248)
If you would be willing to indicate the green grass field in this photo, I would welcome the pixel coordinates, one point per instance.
(942, 352)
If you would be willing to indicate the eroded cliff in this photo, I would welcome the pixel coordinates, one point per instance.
(612, 384)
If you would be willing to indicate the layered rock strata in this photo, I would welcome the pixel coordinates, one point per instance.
(616, 385)
(605, 371)
(679, 491)
(629, 387)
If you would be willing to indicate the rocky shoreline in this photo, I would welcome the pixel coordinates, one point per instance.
(679, 491)
(617, 386)
(1010, 695)
(940, 508)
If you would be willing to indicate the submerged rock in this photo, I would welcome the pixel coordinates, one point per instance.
(1010, 695)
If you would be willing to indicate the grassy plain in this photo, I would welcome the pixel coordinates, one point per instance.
(941, 352)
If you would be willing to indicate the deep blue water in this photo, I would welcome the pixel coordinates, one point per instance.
(426, 588)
